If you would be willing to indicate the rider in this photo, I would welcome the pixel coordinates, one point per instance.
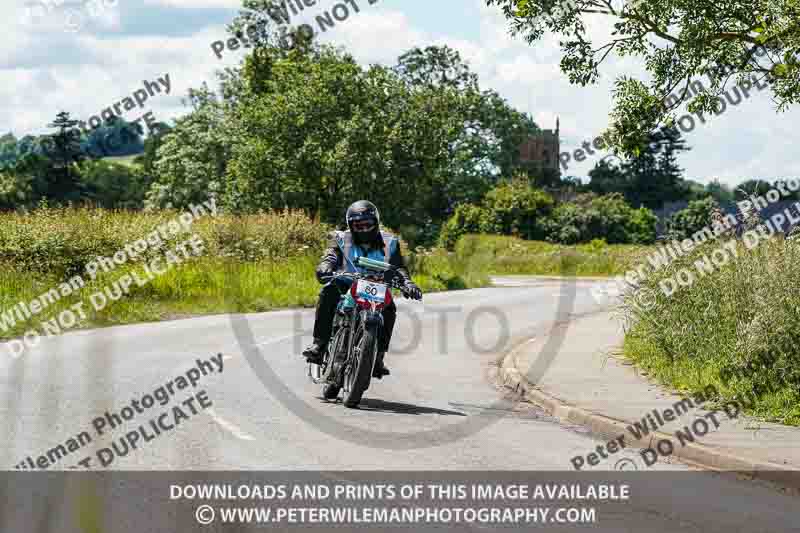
(363, 238)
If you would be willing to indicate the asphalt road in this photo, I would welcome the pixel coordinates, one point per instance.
(439, 410)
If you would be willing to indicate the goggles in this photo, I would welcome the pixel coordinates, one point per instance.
(362, 226)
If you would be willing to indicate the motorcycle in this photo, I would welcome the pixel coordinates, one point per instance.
(350, 358)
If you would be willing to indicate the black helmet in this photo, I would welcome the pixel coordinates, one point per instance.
(363, 221)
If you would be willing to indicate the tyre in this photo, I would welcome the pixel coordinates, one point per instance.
(330, 391)
(358, 378)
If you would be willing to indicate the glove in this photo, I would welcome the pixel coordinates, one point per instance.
(412, 291)
(324, 271)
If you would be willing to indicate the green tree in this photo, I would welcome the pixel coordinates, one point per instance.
(607, 217)
(720, 192)
(65, 152)
(113, 185)
(650, 179)
(193, 157)
(518, 209)
(654, 177)
(436, 66)
(153, 142)
(677, 41)
(696, 216)
(25, 182)
(606, 177)
(321, 132)
(751, 187)
(115, 137)
(467, 218)
(491, 130)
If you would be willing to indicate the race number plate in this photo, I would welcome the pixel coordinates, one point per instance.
(369, 290)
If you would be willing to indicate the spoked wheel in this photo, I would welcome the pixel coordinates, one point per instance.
(358, 374)
(330, 391)
(329, 373)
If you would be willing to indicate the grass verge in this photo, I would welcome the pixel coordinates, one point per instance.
(737, 328)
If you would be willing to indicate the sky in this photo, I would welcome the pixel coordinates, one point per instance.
(85, 55)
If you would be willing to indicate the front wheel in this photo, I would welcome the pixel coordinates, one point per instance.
(359, 373)
(330, 391)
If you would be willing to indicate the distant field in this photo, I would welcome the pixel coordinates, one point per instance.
(123, 159)
(477, 257)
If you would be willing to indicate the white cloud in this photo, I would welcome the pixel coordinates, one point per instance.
(232, 4)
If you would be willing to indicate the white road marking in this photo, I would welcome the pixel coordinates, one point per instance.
(233, 429)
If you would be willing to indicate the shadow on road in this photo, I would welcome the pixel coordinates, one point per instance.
(372, 404)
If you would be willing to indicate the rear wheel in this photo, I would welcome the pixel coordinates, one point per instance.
(358, 375)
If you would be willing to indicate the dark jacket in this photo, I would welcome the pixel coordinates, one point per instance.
(333, 257)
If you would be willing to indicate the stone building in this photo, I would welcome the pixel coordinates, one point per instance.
(541, 151)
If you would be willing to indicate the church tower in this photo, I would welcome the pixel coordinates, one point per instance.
(541, 150)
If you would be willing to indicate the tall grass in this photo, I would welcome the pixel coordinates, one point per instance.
(250, 263)
(476, 257)
(737, 329)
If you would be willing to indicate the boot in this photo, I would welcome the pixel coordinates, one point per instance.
(314, 353)
(380, 369)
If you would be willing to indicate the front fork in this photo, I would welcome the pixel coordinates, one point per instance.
(373, 319)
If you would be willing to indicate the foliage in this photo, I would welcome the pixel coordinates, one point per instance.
(252, 263)
(338, 133)
(485, 255)
(720, 192)
(310, 128)
(606, 217)
(53, 167)
(25, 184)
(467, 218)
(113, 185)
(64, 150)
(510, 208)
(696, 216)
(751, 187)
(115, 137)
(677, 41)
(191, 158)
(436, 66)
(651, 178)
(153, 142)
(518, 209)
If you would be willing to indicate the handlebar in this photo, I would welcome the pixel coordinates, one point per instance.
(394, 282)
